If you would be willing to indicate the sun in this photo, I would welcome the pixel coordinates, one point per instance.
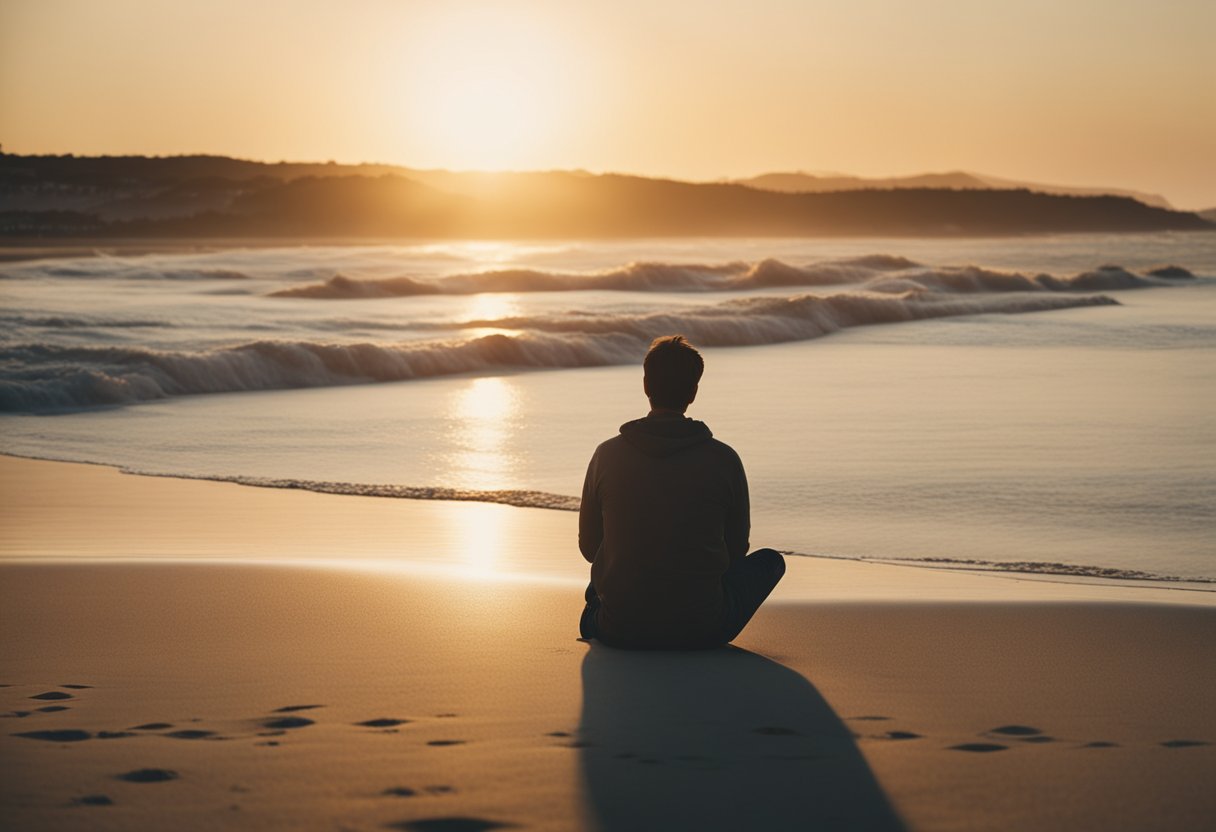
(483, 90)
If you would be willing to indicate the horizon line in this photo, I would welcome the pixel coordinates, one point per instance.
(722, 179)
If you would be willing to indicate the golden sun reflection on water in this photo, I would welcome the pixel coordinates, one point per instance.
(491, 307)
(484, 414)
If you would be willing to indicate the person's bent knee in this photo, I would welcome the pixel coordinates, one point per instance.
(773, 559)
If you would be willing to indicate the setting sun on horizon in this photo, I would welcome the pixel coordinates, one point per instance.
(486, 88)
(1082, 93)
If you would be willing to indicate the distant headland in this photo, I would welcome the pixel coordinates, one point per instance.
(113, 197)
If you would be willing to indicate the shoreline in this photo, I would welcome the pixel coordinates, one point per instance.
(554, 528)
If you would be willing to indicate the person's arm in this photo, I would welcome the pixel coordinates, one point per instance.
(738, 517)
(590, 519)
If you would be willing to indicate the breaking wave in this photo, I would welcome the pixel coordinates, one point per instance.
(972, 279)
(74, 322)
(46, 377)
(884, 273)
(102, 268)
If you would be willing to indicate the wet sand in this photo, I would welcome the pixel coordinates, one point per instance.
(198, 655)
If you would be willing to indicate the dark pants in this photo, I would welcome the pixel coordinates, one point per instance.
(745, 586)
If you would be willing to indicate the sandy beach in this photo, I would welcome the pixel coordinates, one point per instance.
(198, 655)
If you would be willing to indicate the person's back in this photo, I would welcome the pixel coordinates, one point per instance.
(665, 521)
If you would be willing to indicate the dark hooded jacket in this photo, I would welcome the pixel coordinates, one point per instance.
(664, 513)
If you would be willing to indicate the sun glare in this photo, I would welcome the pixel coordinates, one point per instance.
(483, 92)
(492, 307)
(483, 415)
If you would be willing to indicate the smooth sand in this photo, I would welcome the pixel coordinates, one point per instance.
(864, 697)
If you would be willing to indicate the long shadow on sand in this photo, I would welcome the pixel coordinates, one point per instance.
(719, 739)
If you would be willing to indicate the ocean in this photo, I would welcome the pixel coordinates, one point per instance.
(1035, 404)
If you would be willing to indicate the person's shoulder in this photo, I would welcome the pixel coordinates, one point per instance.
(610, 445)
(724, 451)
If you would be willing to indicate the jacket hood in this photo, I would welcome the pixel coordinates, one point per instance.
(664, 435)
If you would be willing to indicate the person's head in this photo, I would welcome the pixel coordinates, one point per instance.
(673, 368)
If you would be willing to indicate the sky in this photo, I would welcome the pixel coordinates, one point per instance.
(1115, 93)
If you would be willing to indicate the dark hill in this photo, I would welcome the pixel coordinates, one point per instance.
(813, 183)
(210, 196)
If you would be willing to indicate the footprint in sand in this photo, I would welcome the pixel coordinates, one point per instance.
(50, 709)
(450, 824)
(382, 723)
(77, 687)
(870, 718)
(287, 723)
(405, 791)
(66, 735)
(148, 775)
(94, 800)
(979, 747)
(446, 742)
(1184, 743)
(1101, 744)
(293, 708)
(192, 734)
(1016, 730)
(153, 726)
(113, 735)
(52, 695)
(1024, 733)
(575, 743)
(898, 735)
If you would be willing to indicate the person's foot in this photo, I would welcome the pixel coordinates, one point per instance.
(586, 623)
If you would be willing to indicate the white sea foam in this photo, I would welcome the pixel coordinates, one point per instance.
(41, 376)
(877, 272)
(75, 322)
(100, 268)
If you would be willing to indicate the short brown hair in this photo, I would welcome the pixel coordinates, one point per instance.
(673, 368)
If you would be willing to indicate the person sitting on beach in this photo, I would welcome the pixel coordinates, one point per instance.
(665, 521)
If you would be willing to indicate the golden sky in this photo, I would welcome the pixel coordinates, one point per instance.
(1118, 93)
